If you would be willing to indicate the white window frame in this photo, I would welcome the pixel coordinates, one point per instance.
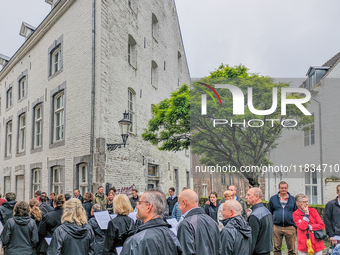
(37, 123)
(9, 137)
(83, 178)
(154, 27)
(59, 117)
(22, 133)
(7, 180)
(9, 96)
(56, 64)
(131, 109)
(312, 187)
(22, 87)
(35, 179)
(309, 135)
(57, 184)
(154, 74)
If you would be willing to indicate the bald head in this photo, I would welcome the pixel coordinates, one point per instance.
(187, 200)
(254, 196)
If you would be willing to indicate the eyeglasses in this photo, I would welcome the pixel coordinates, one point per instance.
(304, 202)
(139, 202)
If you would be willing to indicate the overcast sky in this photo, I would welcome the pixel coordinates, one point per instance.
(271, 37)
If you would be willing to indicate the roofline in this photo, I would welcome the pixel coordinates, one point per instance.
(316, 67)
(41, 30)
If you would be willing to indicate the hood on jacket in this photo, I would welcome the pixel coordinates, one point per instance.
(157, 222)
(9, 204)
(74, 230)
(240, 224)
(97, 195)
(23, 221)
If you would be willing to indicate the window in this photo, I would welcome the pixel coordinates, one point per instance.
(311, 187)
(9, 98)
(152, 170)
(83, 181)
(205, 190)
(56, 180)
(154, 74)
(223, 179)
(7, 183)
(59, 101)
(179, 61)
(37, 126)
(22, 87)
(22, 128)
(35, 180)
(9, 138)
(309, 134)
(154, 26)
(56, 60)
(132, 52)
(131, 95)
(188, 179)
(0, 105)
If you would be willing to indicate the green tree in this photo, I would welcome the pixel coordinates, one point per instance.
(235, 145)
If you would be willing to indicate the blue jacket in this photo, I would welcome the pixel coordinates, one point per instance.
(176, 212)
(282, 217)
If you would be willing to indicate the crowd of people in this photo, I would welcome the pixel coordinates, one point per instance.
(59, 224)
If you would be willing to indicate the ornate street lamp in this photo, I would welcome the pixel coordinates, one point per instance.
(124, 125)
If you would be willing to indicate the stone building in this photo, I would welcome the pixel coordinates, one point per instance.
(65, 89)
(307, 149)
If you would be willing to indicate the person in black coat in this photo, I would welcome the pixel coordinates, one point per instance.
(45, 206)
(236, 234)
(154, 236)
(119, 225)
(6, 210)
(172, 200)
(332, 219)
(212, 208)
(109, 204)
(87, 204)
(50, 222)
(20, 234)
(99, 233)
(74, 236)
(78, 195)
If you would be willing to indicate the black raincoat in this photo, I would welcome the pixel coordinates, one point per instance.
(20, 235)
(99, 235)
(6, 211)
(152, 238)
(48, 224)
(114, 238)
(235, 236)
(45, 208)
(198, 233)
(212, 210)
(88, 206)
(71, 239)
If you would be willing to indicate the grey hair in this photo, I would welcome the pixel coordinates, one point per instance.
(258, 192)
(234, 205)
(158, 200)
(299, 197)
(96, 208)
(234, 187)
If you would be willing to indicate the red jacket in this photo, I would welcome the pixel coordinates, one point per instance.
(2, 201)
(317, 224)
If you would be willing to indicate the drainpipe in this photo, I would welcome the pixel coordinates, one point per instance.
(92, 95)
(320, 134)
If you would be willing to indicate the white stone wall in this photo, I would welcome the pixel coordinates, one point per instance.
(291, 149)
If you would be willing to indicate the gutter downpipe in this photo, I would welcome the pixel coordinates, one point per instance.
(320, 134)
(92, 95)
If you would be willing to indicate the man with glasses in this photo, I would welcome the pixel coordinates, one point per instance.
(198, 233)
(154, 236)
(282, 207)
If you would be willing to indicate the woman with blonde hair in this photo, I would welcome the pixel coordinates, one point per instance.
(121, 224)
(228, 195)
(74, 236)
(36, 214)
(20, 234)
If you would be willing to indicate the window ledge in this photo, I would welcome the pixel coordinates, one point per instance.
(9, 108)
(21, 99)
(55, 74)
(36, 149)
(21, 153)
(155, 39)
(133, 66)
(57, 144)
(8, 157)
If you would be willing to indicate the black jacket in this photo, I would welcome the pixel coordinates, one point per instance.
(235, 236)
(20, 235)
(171, 203)
(45, 208)
(133, 202)
(80, 198)
(71, 239)
(198, 234)
(119, 225)
(212, 210)
(282, 217)
(332, 218)
(151, 238)
(88, 206)
(261, 223)
(48, 225)
(99, 235)
(6, 211)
